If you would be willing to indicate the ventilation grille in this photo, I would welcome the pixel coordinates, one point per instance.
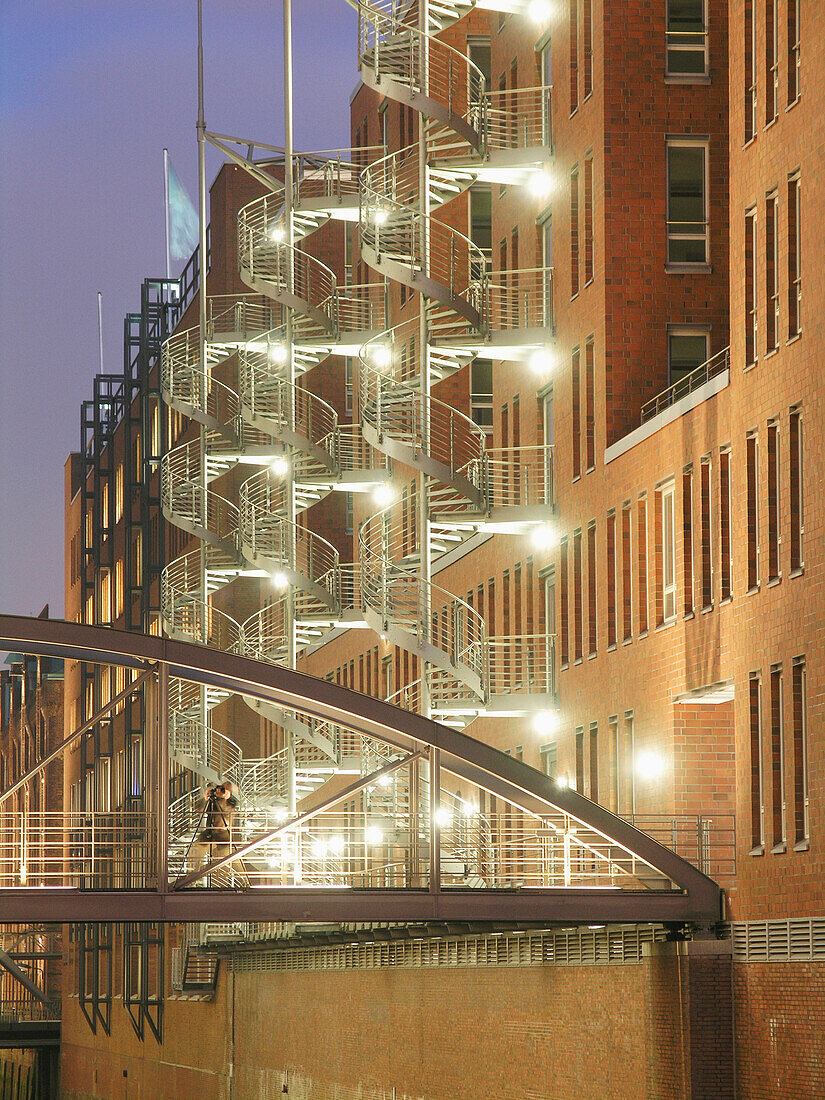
(799, 940)
(573, 948)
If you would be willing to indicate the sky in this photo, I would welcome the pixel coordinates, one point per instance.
(90, 93)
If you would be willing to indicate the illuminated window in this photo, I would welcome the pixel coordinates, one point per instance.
(668, 535)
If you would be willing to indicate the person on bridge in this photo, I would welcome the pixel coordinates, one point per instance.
(218, 810)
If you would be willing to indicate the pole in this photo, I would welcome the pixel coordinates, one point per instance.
(290, 368)
(166, 210)
(202, 248)
(100, 329)
(423, 491)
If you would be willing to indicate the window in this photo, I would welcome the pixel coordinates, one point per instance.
(548, 754)
(774, 526)
(795, 489)
(574, 55)
(587, 35)
(724, 524)
(564, 604)
(348, 510)
(794, 259)
(771, 61)
(687, 231)
(641, 541)
(611, 579)
(590, 404)
(752, 446)
(687, 349)
(578, 651)
(627, 758)
(793, 50)
(686, 38)
(547, 260)
(579, 784)
(777, 760)
(751, 316)
(594, 762)
(687, 538)
(547, 440)
(668, 567)
(800, 752)
(348, 386)
(577, 416)
(627, 572)
(757, 805)
(481, 224)
(751, 65)
(707, 548)
(119, 492)
(547, 83)
(588, 220)
(591, 588)
(613, 746)
(481, 393)
(574, 232)
(771, 272)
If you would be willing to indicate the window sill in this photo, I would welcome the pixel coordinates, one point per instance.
(779, 849)
(593, 655)
(587, 96)
(725, 601)
(612, 647)
(750, 366)
(590, 469)
(774, 581)
(689, 615)
(791, 106)
(628, 641)
(688, 269)
(576, 477)
(798, 572)
(772, 122)
(706, 610)
(564, 666)
(759, 850)
(573, 297)
(666, 624)
(792, 339)
(749, 142)
(772, 351)
(802, 846)
(578, 661)
(643, 634)
(754, 588)
(687, 78)
(588, 282)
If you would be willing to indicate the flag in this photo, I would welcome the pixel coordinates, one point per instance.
(183, 219)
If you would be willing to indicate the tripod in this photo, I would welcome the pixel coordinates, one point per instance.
(215, 833)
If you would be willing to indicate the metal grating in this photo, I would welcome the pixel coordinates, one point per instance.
(576, 947)
(792, 940)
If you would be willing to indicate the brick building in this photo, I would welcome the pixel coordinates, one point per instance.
(515, 436)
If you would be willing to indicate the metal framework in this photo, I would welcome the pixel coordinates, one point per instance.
(662, 887)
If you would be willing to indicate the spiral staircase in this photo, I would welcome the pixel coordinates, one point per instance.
(252, 414)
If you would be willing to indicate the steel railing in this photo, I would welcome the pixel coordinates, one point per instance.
(714, 366)
(518, 118)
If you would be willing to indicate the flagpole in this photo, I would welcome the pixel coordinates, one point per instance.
(201, 127)
(166, 209)
(100, 329)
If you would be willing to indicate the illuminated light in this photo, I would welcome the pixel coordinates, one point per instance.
(385, 781)
(337, 844)
(279, 466)
(544, 537)
(468, 809)
(373, 835)
(277, 233)
(274, 861)
(595, 927)
(562, 781)
(24, 875)
(540, 10)
(649, 765)
(282, 814)
(540, 184)
(380, 215)
(319, 849)
(542, 361)
(276, 354)
(443, 817)
(279, 580)
(380, 356)
(383, 495)
(546, 722)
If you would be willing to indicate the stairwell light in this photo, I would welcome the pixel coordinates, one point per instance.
(443, 817)
(276, 354)
(542, 361)
(383, 495)
(385, 781)
(277, 233)
(336, 845)
(544, 537)
(540, 10)
(279, 465)
(562, 781)
(546, 722)
(373, 835)
(380, 356)
(540, 184)
(379, 215)
(279, 580)
(650, 765)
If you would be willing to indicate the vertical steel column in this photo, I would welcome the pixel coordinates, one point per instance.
(162, 776)
(290, 366)
(423, 494)
(435, 823)
(201, 129)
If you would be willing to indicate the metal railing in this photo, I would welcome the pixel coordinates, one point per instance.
(518, 118)
(185, 607)
(514, 476)
(516, 299)
(202, 745)
(264, 634)
(522, 663)
(188, 502)
(708, 842)
(714, 366)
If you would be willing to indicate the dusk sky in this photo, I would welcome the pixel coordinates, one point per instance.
(90, 93)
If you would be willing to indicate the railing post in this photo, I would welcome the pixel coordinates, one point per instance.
(435, 825)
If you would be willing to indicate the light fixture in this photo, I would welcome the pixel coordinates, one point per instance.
(277, 233)
(373, 835)
(279, 465)
(649, 765)
(337, 844)
(379, 215)
(319, 849)
(562, 781)
(282, 814)
(544, 537)
(385, 781)
(383, 495)
(540, 184)
(380, 356)
(542, 361)
(546, 722)
(279, 580)
(468, 809)
(276, 354)
(443, 817)
(540, 10)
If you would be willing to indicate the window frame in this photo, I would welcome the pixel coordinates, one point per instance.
(675, 142)
(673, 46)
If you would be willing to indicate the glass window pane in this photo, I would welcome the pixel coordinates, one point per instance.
(686, 352)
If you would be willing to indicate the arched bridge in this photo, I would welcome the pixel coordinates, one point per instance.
(412, 820)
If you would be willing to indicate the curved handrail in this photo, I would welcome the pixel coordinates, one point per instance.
(264, 634)
(201, 744)
(187, 502)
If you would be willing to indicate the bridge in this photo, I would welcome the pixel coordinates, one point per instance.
(420, 847)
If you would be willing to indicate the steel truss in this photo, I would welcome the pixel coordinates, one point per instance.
(679, 892)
